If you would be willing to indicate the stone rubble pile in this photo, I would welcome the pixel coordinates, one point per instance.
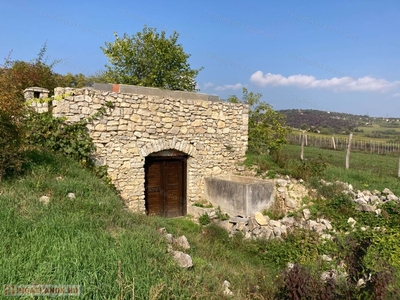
(183, 259)
(366, 200)
(259, 226)
(290, 195)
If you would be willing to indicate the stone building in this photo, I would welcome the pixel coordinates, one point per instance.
(159, 145)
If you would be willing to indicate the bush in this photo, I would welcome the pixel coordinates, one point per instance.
(306, 169)
(15, 76)
(204, 219)
(299, 283)
(10, 144)
(54, 134)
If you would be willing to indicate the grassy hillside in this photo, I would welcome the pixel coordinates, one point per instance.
(333, 123)
(92, 241)
(80, 242)
(366, 171)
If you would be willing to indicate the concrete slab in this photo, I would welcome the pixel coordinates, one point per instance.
(239, 195)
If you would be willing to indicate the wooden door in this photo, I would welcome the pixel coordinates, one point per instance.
(165, 186)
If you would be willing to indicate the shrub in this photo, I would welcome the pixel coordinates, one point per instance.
(299, 283)
(54, 134)
(220, 215)
(306, 169)
(15, 76)
(10, 144)
(204, 219)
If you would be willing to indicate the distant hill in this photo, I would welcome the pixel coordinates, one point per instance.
(323, 121)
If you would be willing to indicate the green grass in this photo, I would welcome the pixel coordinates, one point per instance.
(92, 241)
(366, 171)
(81, 242)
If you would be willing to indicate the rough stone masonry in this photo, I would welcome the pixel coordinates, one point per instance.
(139, 121)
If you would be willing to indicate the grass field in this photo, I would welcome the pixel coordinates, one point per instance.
(376, 132)
(366, 171)
(93, 242)
(80, 242)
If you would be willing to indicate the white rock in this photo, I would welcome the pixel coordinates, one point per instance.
(332, 274)
(327, 223)
(392, 197)
(326, 257)
(361, 201)
(281, 189)
(306, 214)
(387, 191)
(184, 260)
(71, 196)
(182, 242)
(282, 182)
(274, 223)
(290, 203)
(44, 199)
(360, 283)
(261, 219)
(352, 222)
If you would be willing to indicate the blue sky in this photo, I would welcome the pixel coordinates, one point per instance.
(341, 55)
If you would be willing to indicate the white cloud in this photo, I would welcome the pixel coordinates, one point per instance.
(338, 84)
(396, 95)
(208, 84)
(225, 87)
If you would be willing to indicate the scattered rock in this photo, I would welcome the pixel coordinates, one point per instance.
(184, 260)
(44, 199)
(226, 225)
(281, 189)
(352, 222)
(261, 219)
(274, 223)
(227, 291)
(238, 220)
(306, 214)
(392, 197)
(329, 275)
(169, 238)
(361, 201)
(360, 282)
(326, 257)
(374, 199)
(282, 182)
(290, 203)
(369, 208)
(182, 242)
(71, 196)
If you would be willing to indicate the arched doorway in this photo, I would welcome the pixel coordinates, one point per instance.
(165, 183)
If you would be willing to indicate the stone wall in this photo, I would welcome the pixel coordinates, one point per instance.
(34, 94)
(213, 133)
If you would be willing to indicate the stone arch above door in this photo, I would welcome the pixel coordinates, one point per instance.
(159, 145)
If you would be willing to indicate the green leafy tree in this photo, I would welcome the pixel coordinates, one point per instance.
(267, 128)
(80, 80)
(150, 59)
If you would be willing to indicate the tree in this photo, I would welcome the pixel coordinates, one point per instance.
(149, 59)
(267, 128)
(15, 76)
(80, 80)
